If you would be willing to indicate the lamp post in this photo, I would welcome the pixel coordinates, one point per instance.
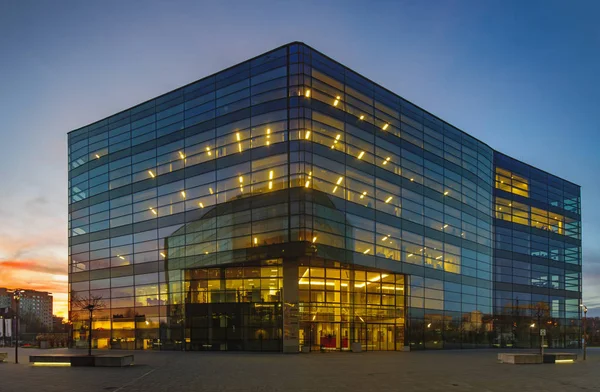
(17, 294)
(584, 330)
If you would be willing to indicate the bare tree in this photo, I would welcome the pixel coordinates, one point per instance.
(91, 304)
(540, 311)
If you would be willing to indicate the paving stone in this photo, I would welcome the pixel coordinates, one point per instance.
(466, 370)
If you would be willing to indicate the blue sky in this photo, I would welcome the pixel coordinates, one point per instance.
(521, 76)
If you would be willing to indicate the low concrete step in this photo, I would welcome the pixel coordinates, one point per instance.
(107, 360)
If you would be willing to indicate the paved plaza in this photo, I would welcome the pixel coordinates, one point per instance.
(467, 370)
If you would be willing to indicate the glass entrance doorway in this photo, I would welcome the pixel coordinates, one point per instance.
(340, 305)
(339, 336)
(379, 337)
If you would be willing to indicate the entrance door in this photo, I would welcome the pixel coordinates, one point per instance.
(380, 337)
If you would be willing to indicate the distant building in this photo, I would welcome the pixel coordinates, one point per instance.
(35, 303)
(57, 324)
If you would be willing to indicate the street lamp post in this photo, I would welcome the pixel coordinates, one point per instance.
(17, 294)
(584, 330)
(3, 331)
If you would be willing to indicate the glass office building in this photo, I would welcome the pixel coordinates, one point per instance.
(290, 204)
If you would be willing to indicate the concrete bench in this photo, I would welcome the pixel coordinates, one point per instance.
(113, 360)
(107, 360)
(560, 358)
(520, 358)
(3, 357)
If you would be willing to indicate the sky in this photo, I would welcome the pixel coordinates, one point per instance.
(522, 76)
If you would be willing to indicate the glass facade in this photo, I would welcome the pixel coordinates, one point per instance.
(537, 256)
(288, 203)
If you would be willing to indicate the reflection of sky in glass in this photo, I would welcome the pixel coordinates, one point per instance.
(519, 77)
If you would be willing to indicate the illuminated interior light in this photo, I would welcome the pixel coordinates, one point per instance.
(339, 181)
(367, 251)
(210, 190)
(162, 254)
(270, 174)
(385, 238)
(151, 174)
(183, 194)
(208, 151)
(337, 100)
(255, 241)
(307, 183)
(241, 188)
(307, 135)
(240, 147)
(361, 319)
(410, 255)
(362, 117)
(386, 160)
(439, 257)
(462, 234)
(385, 126)
(237, 135)
(344, 284)
(205, 253)
(307, 93)
(338, 136)
(121, 257)
(241, 179)
(361, 154)
(445, 226)
(332, 146)
(378, 277)
(314, 239)
(510, 204)
(153, 210)
(421, 250)
(363, 195)
(316, 283)
(181, 155)
(97, 156)
(388, 199)
(412, 179)
(335, 189)
(563, 361)
(446, 193)
(201, 205)
(270, 184)
(314, 317)
(501, 182)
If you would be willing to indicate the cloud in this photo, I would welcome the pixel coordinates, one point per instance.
(33, 265)
(37, 275)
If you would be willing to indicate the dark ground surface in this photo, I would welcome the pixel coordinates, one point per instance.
(465, 370)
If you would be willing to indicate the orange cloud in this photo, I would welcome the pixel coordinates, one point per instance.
(37, 275)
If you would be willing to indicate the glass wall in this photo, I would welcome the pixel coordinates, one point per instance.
(537, 257)
(396, 187)
(291, 156)
(137, 179)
